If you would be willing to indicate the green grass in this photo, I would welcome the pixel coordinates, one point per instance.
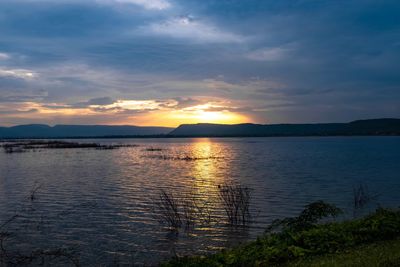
(301, 244)
(380, 254)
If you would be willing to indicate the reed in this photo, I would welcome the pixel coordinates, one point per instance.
(236, 200)
(185, 211)
(23, 146)
(362, 197)
(169, 209)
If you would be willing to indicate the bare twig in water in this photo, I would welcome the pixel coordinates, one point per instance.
(8, 221)
(184, 211)
(35, 188)
(169, 209)
(189, 209)
(362, 197)
(236, 202)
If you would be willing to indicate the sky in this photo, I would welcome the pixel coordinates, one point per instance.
(168, 62)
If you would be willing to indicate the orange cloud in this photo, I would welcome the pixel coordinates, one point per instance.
(132, 112)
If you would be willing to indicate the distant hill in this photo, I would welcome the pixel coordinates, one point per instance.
(360, 127)
(59, 131)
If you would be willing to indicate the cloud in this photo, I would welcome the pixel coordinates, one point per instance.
(186, 27)
(100, 101)
(18, 98)
(251, 85)
(148, 4)
(268, 54)
(18, 73)
(303, 53)
(16, 112)
(184, 102)
(4, 56)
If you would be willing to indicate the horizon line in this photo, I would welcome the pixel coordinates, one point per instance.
(210, 123)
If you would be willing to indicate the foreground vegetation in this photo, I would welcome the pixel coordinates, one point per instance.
(302, 241)
(384, 254)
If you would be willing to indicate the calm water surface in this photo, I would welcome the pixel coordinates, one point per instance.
(100, 201)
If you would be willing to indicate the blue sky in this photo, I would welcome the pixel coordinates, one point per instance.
(166, 62)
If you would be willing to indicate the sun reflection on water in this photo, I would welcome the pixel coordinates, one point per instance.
(208, 173)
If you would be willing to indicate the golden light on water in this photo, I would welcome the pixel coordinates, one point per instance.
(206, 171)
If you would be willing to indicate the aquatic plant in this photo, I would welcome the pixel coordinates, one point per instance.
(22, 146)
(154, 149)
(183, 158)
(235, 200)
(168, 209)
(187, 210)
(34, 189)
(362, 197)
(9, 149)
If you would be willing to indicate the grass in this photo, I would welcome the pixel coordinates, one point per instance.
(297, 245)
(379, 254)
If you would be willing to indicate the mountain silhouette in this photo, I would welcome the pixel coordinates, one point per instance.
(60, 131)
(360, 127)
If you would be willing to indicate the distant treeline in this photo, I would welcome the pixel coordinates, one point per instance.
(360, 127)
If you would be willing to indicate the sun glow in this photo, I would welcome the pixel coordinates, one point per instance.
(207, 113)
(131, 112)
(203, 116)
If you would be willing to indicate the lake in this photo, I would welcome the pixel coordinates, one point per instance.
(101, 202)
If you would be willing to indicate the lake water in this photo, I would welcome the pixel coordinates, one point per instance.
(100, 202)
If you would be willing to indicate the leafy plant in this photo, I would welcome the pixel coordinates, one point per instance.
(302, 237)
(309, 217)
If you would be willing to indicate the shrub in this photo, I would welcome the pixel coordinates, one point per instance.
(297, 240)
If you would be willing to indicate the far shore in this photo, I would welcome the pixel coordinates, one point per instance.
(187, 136)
